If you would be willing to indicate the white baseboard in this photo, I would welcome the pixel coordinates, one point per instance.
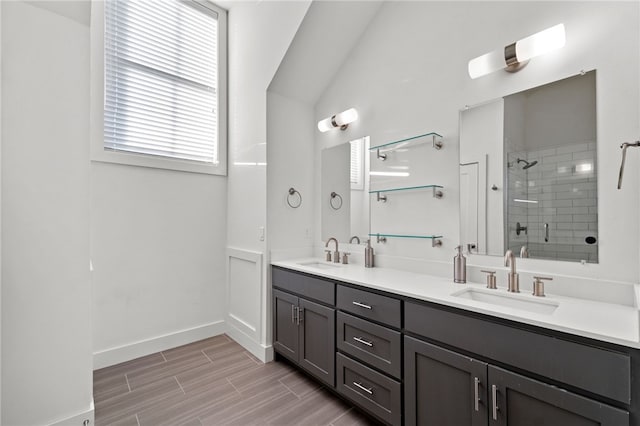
(260, 351)
(134, 350)
(78, 419)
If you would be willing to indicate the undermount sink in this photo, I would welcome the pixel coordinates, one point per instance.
(514, 301)
(319, 265)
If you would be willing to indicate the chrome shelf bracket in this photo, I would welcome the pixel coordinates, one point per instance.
(437, 142)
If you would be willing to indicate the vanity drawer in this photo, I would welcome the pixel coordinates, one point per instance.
(596, 370)
(374, 344)
(304, 285)
(370, 305)
(374, 392)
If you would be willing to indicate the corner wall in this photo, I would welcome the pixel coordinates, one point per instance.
(46, 287)
(259, 36)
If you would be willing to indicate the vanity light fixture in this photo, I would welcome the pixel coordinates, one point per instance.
(341, 120)
(516, 55)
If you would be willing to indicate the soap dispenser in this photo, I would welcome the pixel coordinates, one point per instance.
(459, 267)
(368, 255)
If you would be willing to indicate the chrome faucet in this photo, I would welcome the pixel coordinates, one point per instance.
(524, 252)
(513, 282)
(355, 237)
(336, 254)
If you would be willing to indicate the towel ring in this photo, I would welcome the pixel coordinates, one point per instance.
(335, 201)
(290, 195)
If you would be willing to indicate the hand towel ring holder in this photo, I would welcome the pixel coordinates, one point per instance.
(291, 195)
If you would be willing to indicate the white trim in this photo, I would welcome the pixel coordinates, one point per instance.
(263, 352)
(134, 350)
(96, 122)
(78, 419)
(251, 330)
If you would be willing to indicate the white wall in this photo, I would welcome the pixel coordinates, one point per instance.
(259, 35)
(46, 288)
(406, 78)
(158, 250)
(0, 211)
(290, 133)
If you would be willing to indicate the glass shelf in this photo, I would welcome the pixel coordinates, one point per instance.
(435, 239)
(408, 188)
(435, 188)
(435, 138)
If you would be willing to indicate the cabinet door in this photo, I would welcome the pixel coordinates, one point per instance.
(317, 340)
(443, 387)
(520, 401)
(285, 330)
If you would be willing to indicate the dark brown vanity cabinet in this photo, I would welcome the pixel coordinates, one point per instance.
(517, 400)
(443, 387)
(304, 330)
(411, 362)
(369, 364)
(446, 387)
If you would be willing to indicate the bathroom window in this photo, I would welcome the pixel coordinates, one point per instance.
(357, 170)
(165, 85)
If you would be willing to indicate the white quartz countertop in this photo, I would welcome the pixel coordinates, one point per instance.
(607, 322)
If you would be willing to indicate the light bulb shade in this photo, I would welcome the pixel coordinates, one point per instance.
(540, 43)
(525, 49)
(486, 64)
(341, 120)
(325, 125)
(346, 117)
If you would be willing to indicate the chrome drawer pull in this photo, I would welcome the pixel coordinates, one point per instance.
(364, 342)
(494, 396)
(476, 391)
(362, 305)
(367, 390)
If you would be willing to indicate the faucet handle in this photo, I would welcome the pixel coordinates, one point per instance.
(491, 279)
(538, 285)
(328, 257)
(345, 257)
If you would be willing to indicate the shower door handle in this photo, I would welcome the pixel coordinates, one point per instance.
(546, 232)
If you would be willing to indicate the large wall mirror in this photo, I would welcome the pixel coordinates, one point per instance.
(528, 173)
(345, 191)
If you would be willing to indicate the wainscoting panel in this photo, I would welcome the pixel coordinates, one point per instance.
(245, 294)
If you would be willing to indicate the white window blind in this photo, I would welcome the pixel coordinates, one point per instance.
(161, 79)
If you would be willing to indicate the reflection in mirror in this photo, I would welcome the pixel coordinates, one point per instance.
(344, 172)
(528, 178)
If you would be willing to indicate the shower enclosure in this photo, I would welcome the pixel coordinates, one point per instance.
(551, 177)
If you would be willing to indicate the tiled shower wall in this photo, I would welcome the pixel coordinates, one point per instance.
(562, 192)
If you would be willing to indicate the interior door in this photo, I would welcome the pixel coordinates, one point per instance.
(469, 207)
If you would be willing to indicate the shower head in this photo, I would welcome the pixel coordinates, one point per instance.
(527, 164)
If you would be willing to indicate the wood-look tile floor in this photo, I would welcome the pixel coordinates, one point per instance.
(213, 382)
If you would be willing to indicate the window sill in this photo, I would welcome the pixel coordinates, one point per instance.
(158, 163)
